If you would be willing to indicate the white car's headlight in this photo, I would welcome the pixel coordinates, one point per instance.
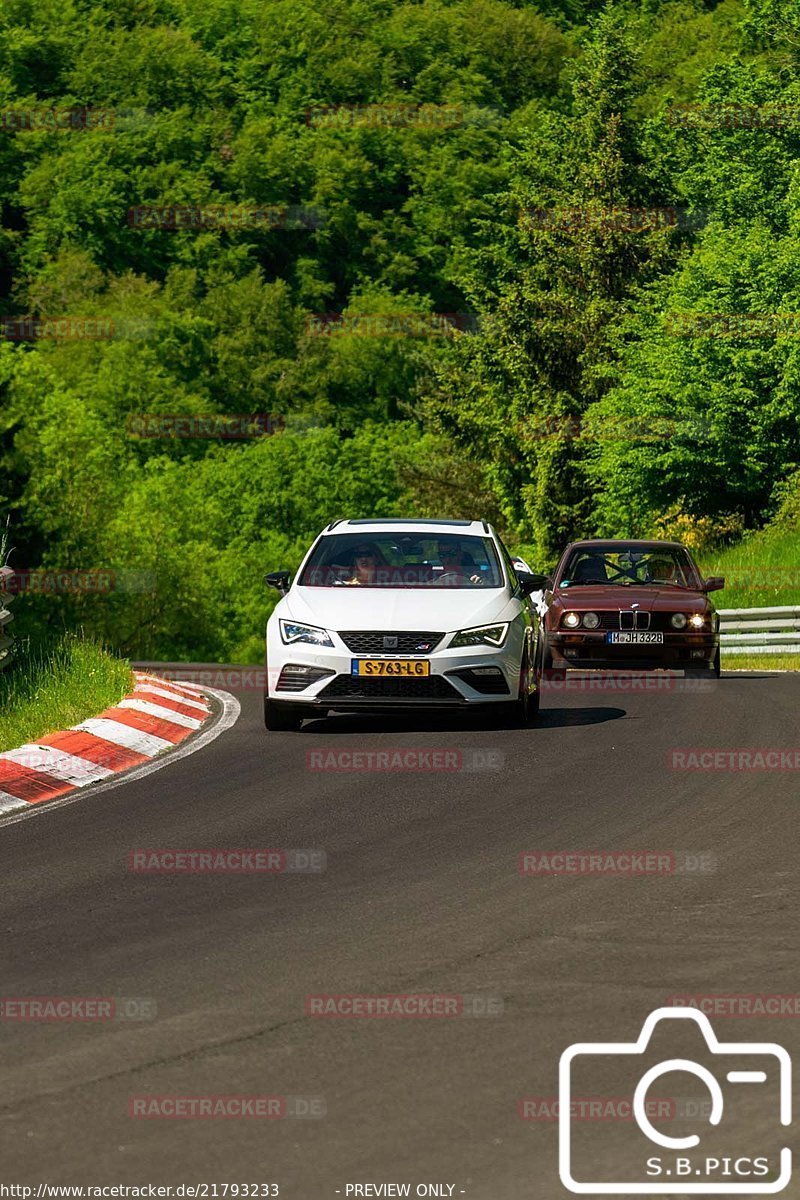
(293, 631)
(484, 635)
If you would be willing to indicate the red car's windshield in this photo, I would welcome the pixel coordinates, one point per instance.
(626, 566)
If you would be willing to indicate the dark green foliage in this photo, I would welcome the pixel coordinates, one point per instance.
(566, 406)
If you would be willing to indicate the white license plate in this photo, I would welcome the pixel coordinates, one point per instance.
(635, 639)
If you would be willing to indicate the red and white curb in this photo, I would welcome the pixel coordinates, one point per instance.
(154, 719)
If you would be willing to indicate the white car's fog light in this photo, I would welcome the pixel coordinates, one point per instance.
(296, 677)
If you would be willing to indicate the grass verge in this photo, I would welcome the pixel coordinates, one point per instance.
(761, 572)
(50, 688)
(760, 662)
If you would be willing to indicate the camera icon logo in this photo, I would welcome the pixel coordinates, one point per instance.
(674, 1170)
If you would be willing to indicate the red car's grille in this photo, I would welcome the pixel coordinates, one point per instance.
(624, 619)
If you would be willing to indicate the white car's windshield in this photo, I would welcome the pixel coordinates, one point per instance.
(403, 560)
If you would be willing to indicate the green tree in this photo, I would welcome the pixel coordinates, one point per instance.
(550, 291)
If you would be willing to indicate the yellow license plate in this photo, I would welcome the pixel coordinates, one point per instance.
(390, 666)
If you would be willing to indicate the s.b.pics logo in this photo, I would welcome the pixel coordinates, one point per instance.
(717, 1140)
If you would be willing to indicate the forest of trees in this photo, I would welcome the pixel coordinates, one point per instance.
(603, 199)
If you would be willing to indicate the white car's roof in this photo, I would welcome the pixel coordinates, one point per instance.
(411, 525)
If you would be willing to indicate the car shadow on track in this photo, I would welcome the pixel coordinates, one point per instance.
(549, 718)
(558, 718)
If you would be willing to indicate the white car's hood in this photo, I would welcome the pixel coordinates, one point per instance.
(436, 609)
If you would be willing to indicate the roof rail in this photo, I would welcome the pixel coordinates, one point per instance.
(333, 524)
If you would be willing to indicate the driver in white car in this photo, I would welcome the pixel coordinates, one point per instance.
(454, 563)
(366, 563)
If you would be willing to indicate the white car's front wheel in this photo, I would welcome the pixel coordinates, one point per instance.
(524, 710)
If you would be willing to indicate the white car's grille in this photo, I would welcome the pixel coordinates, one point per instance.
(390, 641)
(350, 687)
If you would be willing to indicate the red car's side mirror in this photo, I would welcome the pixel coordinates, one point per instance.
(715, 583)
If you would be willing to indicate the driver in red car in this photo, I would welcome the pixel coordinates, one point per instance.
(663, 570)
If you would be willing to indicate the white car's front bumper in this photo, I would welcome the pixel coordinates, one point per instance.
(450, 682)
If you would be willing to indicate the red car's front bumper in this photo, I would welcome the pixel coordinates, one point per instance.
(679, 651)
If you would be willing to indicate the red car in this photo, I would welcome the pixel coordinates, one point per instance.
(633, 604)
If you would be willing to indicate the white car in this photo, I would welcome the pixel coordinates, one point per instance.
(403, 613)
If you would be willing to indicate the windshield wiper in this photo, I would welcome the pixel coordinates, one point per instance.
(662, 583)
(583, 582)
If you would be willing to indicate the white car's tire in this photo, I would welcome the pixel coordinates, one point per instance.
(282, 718)
(524, 710)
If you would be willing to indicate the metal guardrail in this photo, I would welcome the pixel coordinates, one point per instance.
(6, 617)
(760, 630)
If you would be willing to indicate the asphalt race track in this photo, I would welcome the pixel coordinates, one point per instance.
(422, 893)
